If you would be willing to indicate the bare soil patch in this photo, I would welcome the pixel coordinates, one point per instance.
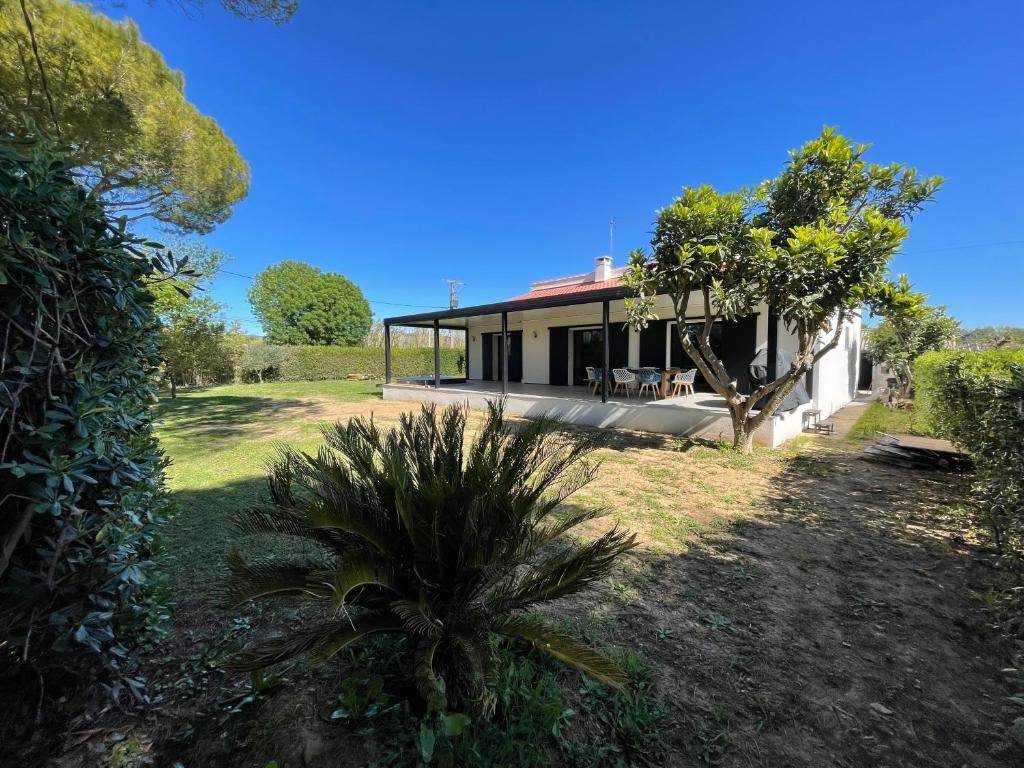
(835, 627)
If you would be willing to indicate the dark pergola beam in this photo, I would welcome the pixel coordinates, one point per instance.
(605, 351)
(773, 345)
(504, 353)
(437, 355)
(387, 353)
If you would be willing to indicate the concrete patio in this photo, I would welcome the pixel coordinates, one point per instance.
(701, 415)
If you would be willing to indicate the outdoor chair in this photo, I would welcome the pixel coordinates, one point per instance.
(623, 378)
(593, 378)
(649, 378)
(683, 381)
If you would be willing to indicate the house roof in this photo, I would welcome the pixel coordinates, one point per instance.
(568, 290)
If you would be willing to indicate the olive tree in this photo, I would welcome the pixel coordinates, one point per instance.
(813, 244)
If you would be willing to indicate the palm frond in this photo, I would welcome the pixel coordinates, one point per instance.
(428, 685)
(564, 648)
(264, 577)
(417, 617)
(362, 570)
(275, 650)
(563, 573)
(341, 637)
(568, 520)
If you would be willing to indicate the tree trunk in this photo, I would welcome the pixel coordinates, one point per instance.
(742, 438)
(174, 388)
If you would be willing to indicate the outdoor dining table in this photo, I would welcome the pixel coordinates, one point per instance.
(666, 377)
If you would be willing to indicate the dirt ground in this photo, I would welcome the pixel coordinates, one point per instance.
(801, 608)
(836, 628)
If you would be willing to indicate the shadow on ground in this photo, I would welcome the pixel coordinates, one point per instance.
(834, 628)
(837, 628)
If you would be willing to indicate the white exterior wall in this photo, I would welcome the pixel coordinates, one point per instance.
(537, 321)
(834, 382)
(835, 375)
(536, 348)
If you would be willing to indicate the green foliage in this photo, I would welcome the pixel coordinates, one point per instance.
(193, 338)
(299, 304)
(535, 725)
(976, 399)
(990, 337)
(942, 386)
(318, 363)
(192, 345)
(910, 329)
(277, 11)
(200, 265)
(138, 143)
(262, 360)
(81, 473)
(813, 244)
(420, 534)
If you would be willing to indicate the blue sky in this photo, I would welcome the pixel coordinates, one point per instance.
(404, 143)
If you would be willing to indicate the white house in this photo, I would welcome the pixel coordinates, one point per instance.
(560, 327)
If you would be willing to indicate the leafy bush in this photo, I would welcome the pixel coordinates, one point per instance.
(320, 363)
(536, 724)
(81, 476)
(976, 399)
(418, 534)
(944, 399)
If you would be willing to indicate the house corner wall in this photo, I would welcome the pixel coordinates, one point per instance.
(835, 375)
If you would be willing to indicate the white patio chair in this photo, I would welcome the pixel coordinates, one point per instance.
(593, 382)
(623, 378)
(684, 380)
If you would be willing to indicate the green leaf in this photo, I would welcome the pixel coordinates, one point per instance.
(426, 741)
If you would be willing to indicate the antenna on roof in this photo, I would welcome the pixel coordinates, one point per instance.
(453, 298)
(611, 235)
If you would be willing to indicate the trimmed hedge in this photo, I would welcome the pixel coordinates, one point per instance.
(320, 363)
(943, 395)
(976, 399)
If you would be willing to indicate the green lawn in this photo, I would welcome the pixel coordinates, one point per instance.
(218, 440)
(878, 417)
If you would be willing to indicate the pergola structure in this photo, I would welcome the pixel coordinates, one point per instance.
(456, 319)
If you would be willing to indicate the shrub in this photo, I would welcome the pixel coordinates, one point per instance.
(945, 400)
(976, 399)
(81, 476)
(321, 363)
(418, 534)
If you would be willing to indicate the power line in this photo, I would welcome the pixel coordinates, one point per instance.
(372, 301)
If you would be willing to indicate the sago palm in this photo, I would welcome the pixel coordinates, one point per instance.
(418, 532)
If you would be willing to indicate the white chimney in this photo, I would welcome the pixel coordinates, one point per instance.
(602, 268)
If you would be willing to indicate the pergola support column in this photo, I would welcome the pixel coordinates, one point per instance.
(387, 353)
(504, 353)
(605, 351)
(437, 354)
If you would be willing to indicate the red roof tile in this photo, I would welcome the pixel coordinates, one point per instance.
(569, 289)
